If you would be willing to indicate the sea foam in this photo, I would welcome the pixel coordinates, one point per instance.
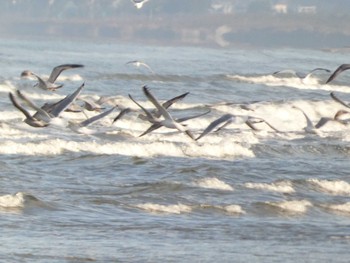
(280, 187)
(213, 183)
(12, 201)
(295, 206)
(167, 209)
(335, 187)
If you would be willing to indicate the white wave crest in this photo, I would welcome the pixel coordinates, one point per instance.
(344, 208)
(234, 209)
(296, 206)
(168, 209)
(213, 183)
(280, 187)
(336, 187)
(12, 201)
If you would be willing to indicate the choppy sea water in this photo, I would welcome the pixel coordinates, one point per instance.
(236, 195)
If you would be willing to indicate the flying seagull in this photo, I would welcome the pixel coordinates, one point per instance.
(80, 127)
(139, 3)
(336, 118)
(300, 74)
(139, 64)
(227, 119)
(49, 84)
(158, 125)
(156, 113)
(311, 128)
(157, 122)
(167, 120)
(339, 70)
(47, 112)
(30, 120)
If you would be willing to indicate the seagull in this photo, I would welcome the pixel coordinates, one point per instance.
(92, 105)
(311, 128)
(139, 3)
(300, 74)
(80, 127)
(229, 118)
(156, 113)
(47, 112)
(167, 120)
(336, 118)
(49, 84)
(158, 125)
(339, 70)
(139, 64)
(30, 120)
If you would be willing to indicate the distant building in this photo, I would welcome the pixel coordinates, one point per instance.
(280, 8)
(222, 7)
(307, 9)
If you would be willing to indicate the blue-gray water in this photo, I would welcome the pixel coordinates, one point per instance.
(236, 195)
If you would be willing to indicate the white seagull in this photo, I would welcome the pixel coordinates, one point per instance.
(156, 113)
(49, 84)
(167, 120)
(139, 64)
(139, 3)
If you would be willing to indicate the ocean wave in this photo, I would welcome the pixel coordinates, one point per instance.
(229, 209)
(18, 200)
(334, 187)
(285, 187)
(167, 209)
(342, 208)
(293, 207)
(213, 183)
(311, 83)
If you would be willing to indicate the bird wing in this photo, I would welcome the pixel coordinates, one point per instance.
(56, 71)
(211, 126)
(148, 114)
(192, 117)
(170, 102)
(121, 114)
(19, 107)
(153, 127)
(155, 102)
(309, 124)
(40, 113)
(339, 100)
(96, 117)
(339, 70)
(66, 102)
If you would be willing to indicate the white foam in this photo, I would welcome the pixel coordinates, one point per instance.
(234, 209)
(295, 206)
(345, 208)
(335, 187)
(168, 209)
(213, 183)
(12, 201)
(280, 187)
(310, 83)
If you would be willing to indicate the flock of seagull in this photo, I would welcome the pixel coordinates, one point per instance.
(157, 117)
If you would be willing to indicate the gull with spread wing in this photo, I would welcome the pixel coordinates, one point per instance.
(49, 84)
